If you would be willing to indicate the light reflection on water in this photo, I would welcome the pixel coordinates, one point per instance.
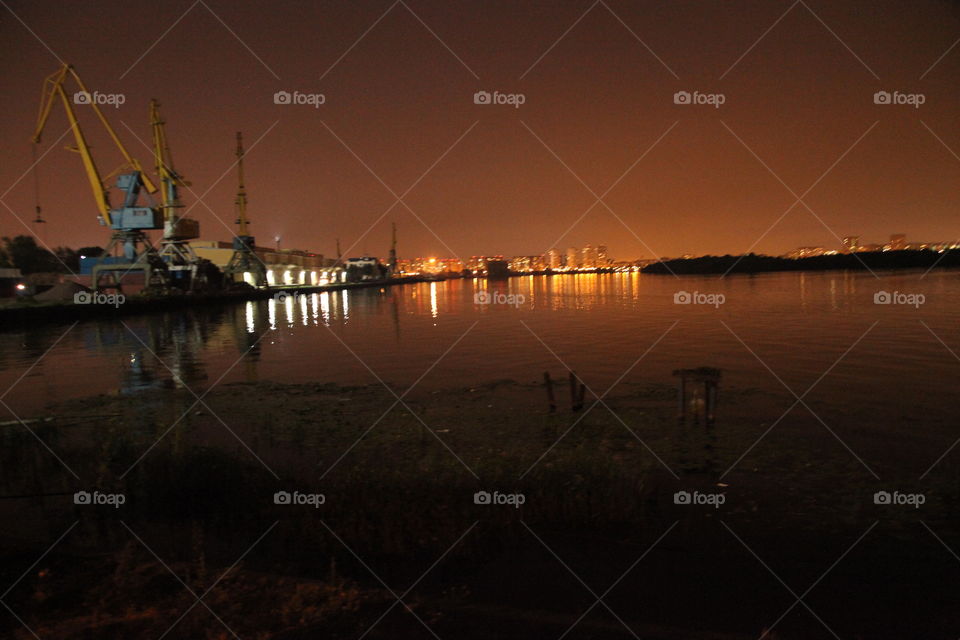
(797, 324)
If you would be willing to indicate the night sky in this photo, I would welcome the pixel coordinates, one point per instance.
(599, 119)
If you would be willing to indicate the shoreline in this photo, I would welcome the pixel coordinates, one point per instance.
(62, 312)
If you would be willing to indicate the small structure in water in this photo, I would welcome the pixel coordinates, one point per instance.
(703, 384)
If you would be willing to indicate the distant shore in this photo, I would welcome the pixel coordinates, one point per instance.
(18, 313)
(753, 263)
(66, 311)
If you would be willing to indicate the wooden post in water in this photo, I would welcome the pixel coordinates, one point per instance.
(573, 391)
(713, 391)
(707, 403)
(682, 412)
(550, 397)
(583, 392)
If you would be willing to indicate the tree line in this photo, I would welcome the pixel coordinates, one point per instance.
(754, 263)
(23, 253)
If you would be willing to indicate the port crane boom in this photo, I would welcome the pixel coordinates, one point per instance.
(130, 220)
(163, 162)
(53, 88)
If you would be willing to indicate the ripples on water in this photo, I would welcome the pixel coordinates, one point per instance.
(773, 331)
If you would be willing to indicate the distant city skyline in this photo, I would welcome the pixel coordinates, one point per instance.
(572, 258)
(599, 256)
(853, 244)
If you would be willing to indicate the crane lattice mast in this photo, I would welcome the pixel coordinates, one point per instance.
(244, 262)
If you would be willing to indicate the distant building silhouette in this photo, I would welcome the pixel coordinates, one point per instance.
(805, 252)
(584, 259)
(553, 259)
(850, 244)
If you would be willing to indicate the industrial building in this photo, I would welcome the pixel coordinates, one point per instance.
(284, 267)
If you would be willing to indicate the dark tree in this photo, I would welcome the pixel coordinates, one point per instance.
(23, 253)
(68, 259)
(90, 252)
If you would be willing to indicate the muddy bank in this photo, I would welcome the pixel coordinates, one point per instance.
(398, 480)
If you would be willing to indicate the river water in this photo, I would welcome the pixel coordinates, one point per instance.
(893, 365)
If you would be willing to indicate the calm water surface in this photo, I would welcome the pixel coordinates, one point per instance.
(772, 330)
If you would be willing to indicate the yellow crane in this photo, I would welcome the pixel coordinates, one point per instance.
(129, 221)
(187, 271)
(169, 178)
